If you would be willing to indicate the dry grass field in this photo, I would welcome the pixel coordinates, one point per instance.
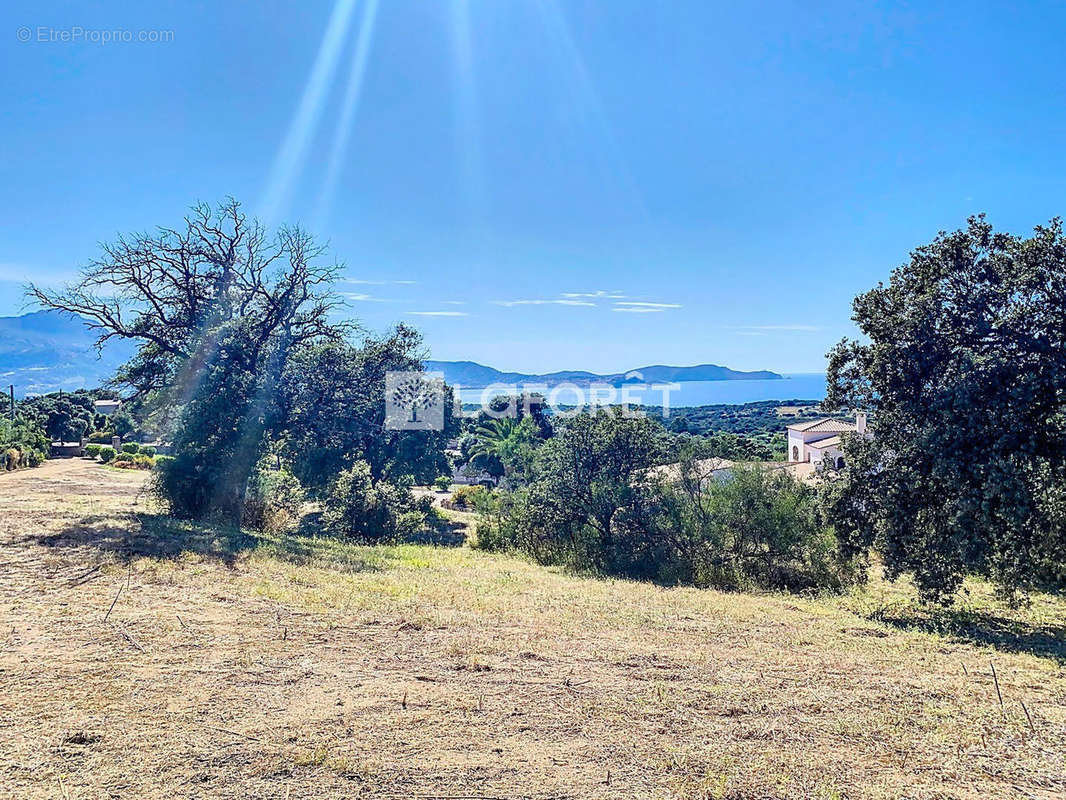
(141, 658)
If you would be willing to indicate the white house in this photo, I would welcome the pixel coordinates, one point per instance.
(705, 470)
(107, 407)
(820, 440)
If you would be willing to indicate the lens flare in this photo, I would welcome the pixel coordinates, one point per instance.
(342, 133)
(293, 151)
(468, 139)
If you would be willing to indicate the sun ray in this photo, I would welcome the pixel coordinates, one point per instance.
(293, 151)
(587, 104)
(342, 133)
(468, 138)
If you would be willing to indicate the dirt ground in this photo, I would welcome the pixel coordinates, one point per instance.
(142, 658)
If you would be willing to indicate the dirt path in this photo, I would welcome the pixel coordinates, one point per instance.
(227, 667)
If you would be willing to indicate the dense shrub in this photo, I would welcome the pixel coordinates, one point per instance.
(23, 443)
(357, 507)
(500, 520)
(130, 461)
(101, 437)
(273, 501)
(92, 450)
(131, 447)
(465, 496)
(442, 482)
(752, 529)
(147, 449)
(107, 453)
(755, 529)
(162, 460)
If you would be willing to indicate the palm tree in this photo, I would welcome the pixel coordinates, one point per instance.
(501, 445)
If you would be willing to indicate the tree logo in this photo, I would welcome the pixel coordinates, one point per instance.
(414, 401)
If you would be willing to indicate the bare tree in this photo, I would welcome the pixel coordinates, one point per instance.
(218, 306)
(173, 290)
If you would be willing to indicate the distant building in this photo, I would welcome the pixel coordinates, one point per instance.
(705, 470)
(817, 441)
(107, 407)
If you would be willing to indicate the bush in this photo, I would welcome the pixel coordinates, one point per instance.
(129, 461)
(162, 461)
(101, 437)
(92, 450)
(464, 496)
(756, 529)
(499, 519)
(147, 449)
(476, 498)
(107, 453)
(33, 457)
(13, 458)
(273, 501)
(131, 447)
(359, 508)
(752, 529)
(442, 482)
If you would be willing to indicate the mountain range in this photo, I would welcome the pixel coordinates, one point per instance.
(45, 351)
(470, 374)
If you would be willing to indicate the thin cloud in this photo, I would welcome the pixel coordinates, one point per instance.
(22, 273)
(454, 302)
(509, 303)
(638, 309)
(438, 313)
(364, 298)
(634, 304)
(597, 295)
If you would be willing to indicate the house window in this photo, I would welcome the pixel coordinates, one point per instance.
(795, 453)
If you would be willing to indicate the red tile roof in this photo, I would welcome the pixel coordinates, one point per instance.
(823, 426)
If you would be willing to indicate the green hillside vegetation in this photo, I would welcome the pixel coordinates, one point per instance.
(268, 402)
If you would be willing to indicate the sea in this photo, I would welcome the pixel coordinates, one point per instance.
(794, 386)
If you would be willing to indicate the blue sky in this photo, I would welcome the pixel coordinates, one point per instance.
(546, 184)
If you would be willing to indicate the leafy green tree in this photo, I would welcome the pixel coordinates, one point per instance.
(65, 417)
(964, 369)
(25, 434)
(520, 406)
(587, 482)
(332, 398)
(720, 444)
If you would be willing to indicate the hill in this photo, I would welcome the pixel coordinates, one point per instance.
(49, 350)
(212, 662)
(470, 374)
